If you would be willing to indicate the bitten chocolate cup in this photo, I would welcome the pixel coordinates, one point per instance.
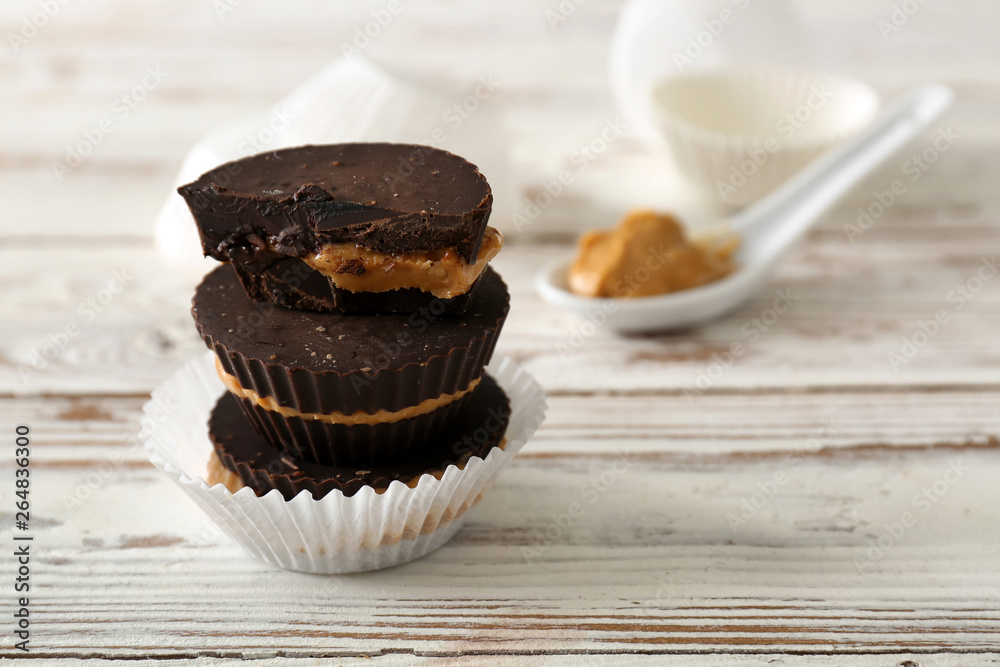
(380, 385)
(360, 227)
(478, 428)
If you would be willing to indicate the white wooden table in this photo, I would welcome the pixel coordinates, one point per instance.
(806, 503)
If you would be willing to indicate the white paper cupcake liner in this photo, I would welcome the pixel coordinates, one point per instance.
(336, 534)
(717, 122)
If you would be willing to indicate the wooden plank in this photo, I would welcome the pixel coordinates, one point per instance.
(60, 85)
(651, 564)
(811, 437)
(654, 562)
(89, 428)
(556, 660)
(854, 307)
(543, 138)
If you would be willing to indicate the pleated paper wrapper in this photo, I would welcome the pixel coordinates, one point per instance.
(336, 534)
(763, 101)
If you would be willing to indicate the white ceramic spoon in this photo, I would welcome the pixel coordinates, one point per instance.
(767, 228)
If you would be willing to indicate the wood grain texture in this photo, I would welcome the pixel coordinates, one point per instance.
(852, 309)
(697, 660)
(653, 564)
(554, 95)
(807, 503)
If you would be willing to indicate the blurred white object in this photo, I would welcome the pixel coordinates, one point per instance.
(352, 100)
(739, 134)
(766, 229)
(654, 40)
(708, 82)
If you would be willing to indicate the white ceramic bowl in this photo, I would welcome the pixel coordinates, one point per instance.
(738, 134)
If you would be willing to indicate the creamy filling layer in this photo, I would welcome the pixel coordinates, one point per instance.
(440, 272)
(220, 474)
(647, 254)
(381, 417)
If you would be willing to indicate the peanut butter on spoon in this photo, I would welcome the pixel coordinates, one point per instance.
(647, 254)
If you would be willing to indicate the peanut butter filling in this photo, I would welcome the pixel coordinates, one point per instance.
(441, 272)
(647, 254)
(381, 417)
(220, 474)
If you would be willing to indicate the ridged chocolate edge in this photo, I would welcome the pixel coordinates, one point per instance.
(262, 482)
(358, 444)
(387, 389)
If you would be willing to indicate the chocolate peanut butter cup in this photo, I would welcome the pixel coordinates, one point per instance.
(478, 428)
(379, 385)
(386, 227)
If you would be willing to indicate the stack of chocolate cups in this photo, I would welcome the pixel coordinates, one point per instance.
(352, 318)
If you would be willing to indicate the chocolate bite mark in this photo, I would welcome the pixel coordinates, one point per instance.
(377, 196)
(291, 283)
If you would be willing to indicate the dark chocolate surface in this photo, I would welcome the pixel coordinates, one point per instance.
(386, 197)
(478, 428)
(323, 342)
(329, 362)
